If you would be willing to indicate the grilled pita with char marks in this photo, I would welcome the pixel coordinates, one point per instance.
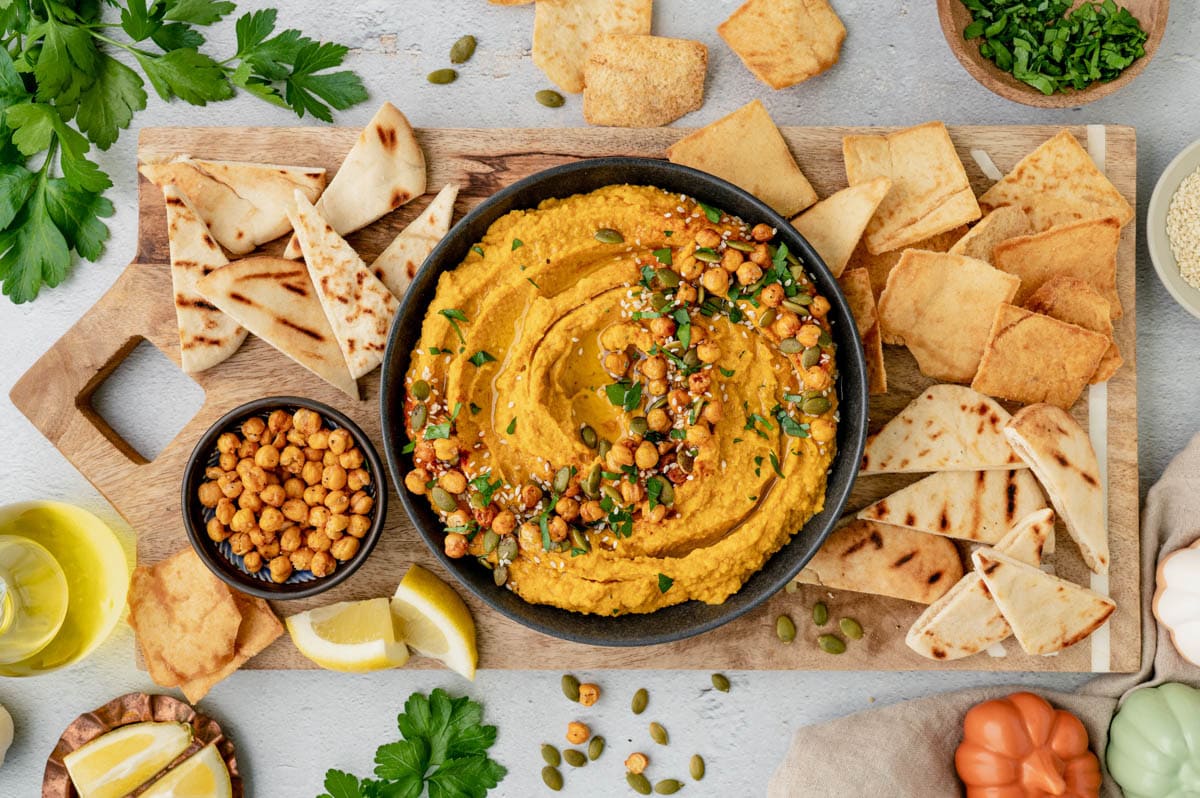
(397, 265)
(275, 299)
(383, 170)
(206, 335)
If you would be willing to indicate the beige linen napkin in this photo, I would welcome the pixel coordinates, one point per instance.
(910, 746)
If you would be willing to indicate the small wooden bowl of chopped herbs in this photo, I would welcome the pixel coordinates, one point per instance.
(1173, 228)
(1047, 53)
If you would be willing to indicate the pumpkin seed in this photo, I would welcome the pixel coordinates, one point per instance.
(701, 294)
(820, 613)
(658, 733)
(595, 748)
(707, 255)
(686, 460)
(740, 246)
(570, 687)
(767, 317)
(442, 76)
(640, 699)
(658, 300)
(609, 492)
(816, 406)
(825, 339)
(851, 628)
(607, 235)
(550, 98)
(579, 540)
(552, 778)
(801, 299)
(476, 500)
(638, 425)
(562, 479)
(462, 50)
(551, 755)
(638, 783)
(795, 307)
(667, 494)
(574, 758)
(785, 629)
(603, 448)
(668, 786)
(691, 358)
(790, 346)
(667, 278)
(696, 767)
(811, 357)
(507, 549)
(798, 273)
(591, 485)
(443, 500)
(790, 588)
(490, 541)
(721, 682)
(657, 403)
(420, 390)
(831, 644)
(420, 414)
(500, 575)
(588, 436)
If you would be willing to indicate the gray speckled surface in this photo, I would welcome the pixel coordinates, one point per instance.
(895, 69)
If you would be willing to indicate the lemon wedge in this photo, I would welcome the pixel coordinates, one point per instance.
(201, 776)
(119, 762)
(349, 636)
(432, 619)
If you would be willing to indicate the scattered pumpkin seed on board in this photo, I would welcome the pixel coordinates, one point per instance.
(570, 687)
(574, 758)
(462, 50)
(851, 628)
(658, 733)
(831, 644)
(640, 699)
(552, 777)
(550, 98)
(639, 783)
(721, 682)
(785, 629)
(442, 76)
(668, 786)
(696, 767)
(820, 613)
(551, 755)
(595, 748)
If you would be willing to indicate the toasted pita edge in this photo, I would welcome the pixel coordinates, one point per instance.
(397, 265)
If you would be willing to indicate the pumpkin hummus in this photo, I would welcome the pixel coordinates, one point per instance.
(623, 400)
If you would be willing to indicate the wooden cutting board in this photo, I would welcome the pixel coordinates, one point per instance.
(55, 395)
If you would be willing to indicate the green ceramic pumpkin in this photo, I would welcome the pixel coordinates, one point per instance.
(1154, 743)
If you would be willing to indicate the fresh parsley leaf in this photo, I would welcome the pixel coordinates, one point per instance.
(517, 244)
(465, 777)
(435, 432)
(726, 373)
(481, 357)
(663, 255)
(512, 426)
(664, 583)
(339, 784)
(187, 74)
(35, 251)
(16, 184)
(710, 212)
(775, 464)
(197, 12)
(108, 106)
(485, 487)
(454, 316)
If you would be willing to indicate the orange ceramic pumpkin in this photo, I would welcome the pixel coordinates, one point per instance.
(1021, 747)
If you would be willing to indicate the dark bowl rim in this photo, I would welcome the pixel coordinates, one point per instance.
(193, 472)
(851, 371)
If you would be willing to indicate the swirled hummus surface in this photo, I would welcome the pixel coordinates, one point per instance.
(623, 400)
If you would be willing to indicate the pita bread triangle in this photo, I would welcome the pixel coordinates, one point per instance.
(968, 505)
(244, 204)
(966, 621)
(947, 428)
(1062, 458)
(358, 306)
(274, 299)
(397, 265)
(206, 335)
(383, 170)
(1047, 614)
(835, 225)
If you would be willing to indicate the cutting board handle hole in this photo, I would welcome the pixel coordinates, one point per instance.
(140, 400)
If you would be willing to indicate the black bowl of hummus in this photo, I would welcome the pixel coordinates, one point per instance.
(624, 402)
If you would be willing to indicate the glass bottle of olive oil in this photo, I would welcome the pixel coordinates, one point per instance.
(63, 578)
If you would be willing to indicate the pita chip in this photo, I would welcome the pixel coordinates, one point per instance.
(1032, 358)
(747, 149)
(260, 627)
(966, 621)
(563, 31)
(397, 265)
(876, 368)
(1075, 301)
(358, 305)
(979, 506)
(784, 42)
(1061, 456)
(1047, 614)
(275, 299)
(383, 170)
(243, 204)
(867, 557)
(930, 192)
(206, 335)
(636, 80)
(1087, 250)
(1058, 183)
(881, 265)
(946, 428)
(835, 225)
(856, 287)
(941, 307)
(1007, 221)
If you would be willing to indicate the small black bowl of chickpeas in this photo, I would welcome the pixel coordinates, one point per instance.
(283, 498)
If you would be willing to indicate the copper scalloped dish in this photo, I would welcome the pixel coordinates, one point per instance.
(136, 708)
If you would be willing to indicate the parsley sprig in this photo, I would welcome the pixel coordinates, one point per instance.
(443, 747)
(62, 92)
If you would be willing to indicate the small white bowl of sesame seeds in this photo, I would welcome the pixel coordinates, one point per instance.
(1173, 228)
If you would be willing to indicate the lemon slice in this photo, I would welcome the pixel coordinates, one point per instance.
(432, 619)
(201, 776)
(349, 636)
(116, 763)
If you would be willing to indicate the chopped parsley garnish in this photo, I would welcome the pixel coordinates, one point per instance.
(478, 250)
(753, 420)
(726, 373)
(654, 489)
(790, 426)
(531, 282)
(434, 432)
(712, 213)
(683, 327)
(663, 255)
(517, 244)
(775, 465)
(664, 583)
(512, 426)
(481, 357)
(435, 350)
(475, 408)
(409, 448)
(668, 233)
(544, 523)
(624, 395)
(454, 316)
(758, 465)
(485, 487)
(638, 315)
(678, 434)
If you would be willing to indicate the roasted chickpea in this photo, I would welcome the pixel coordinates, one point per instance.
(267, 456)
(359, 526)
(319, 439)
(344, 548)
(292, 459)
(530, 495)
(656, 515)
(731, 259)
(225, 510)
(242, 521)
(657, 387)
(662, 327)
(255, 479)
(294, 487)
(699, 382)
(713, 411)
(817, 379)
(698, 434)
(446, 449)
(658, 420)
(247, 448)
(253, 428)
(361, 503)
(296, 438)
(632, 492)
(210, 494)
(318, 541)
(749, 273)
(295, 510)
(709, 352)
(679, 400)
(646, 455)
(280, 568)
(239, 543)
(227, 461)
(314, 455)
(269, 550)
(616, 363)
(689, 268)
(654, 367)
(621, 454)
(591, 511)
(213, 472)
(328, 459)
(353, 458)
(762, 232)
(453, 481)
(340, 441)
(301, 558)
(589, 693)
(416, 480)
(567, 508)
(772, 295)
(786, 324)
(253, 562)
(456, 545)
(822, 430)
(336, 526)
(819, 307)
(231, 486)
(250, 501)
(271, 520)
(809, 334)
(337, 501)
(291, 539)
(358, 478)
(636, 762)
(227, 443)
(306, 421)
(258, 537)
(273, 495)
(504, 523)
(216, 530)
(279, 421)
(322, 563)
(314, 495)
(716, 281)
(578, 733)
(279, 440)
(317, 516)
(558, 529)
(708, 237)
(686, 293)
